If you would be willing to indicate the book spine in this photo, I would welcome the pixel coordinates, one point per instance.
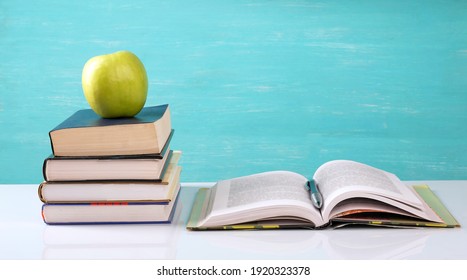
(39, 192)
(51, 142)
(166, 165)
(44, 168)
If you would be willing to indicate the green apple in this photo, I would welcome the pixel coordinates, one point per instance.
(115, 85)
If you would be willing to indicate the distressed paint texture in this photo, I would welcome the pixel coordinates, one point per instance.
(254, 85)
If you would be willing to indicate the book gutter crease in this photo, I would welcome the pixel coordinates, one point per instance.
(111, 171)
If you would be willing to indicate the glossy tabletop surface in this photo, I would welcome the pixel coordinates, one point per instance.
(23, 235)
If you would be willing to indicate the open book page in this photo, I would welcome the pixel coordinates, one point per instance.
(361, 205)
(341, 179)
(264, 196)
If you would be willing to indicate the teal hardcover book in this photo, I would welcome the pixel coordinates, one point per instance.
(88, 135)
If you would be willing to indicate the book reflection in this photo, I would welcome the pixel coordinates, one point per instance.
(113, 242)
(345, 244)
(375, 244)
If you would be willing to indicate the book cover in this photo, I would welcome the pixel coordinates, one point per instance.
(87, 134)
(110, 213)
(158, 155)
(115, 190)
(126, 168)
(88, 118)
(111, 191)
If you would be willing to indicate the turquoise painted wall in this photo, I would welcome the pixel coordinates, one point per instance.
(254, 85)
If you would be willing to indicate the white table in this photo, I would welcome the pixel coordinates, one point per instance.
(23, 235)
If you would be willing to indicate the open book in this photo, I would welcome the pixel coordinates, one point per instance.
(352, 193)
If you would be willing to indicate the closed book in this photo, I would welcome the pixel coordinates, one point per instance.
(109, 213)
(87, 134)
(115, 191)
(127, 168)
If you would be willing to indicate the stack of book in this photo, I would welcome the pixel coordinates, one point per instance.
(111, 170)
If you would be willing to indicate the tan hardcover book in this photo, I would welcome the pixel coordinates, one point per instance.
(114, 191)
(126, 168)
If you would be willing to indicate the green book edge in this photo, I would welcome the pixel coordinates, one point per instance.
(197, 208)
(436, 205)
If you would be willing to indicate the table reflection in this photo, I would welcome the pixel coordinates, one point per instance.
(120, 241)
